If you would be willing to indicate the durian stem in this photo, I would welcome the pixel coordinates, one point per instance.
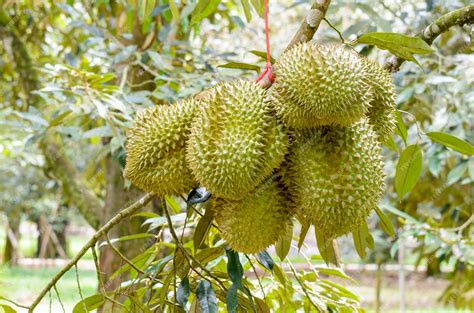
(127, 212)
(457, 17)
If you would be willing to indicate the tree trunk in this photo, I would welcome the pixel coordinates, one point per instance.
(11, 252)
(51, 238)
(378, 288)
(117, 198)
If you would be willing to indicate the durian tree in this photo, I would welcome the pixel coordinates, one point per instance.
(233, 166)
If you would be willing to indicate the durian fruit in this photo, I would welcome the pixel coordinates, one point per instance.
(156, 158)
(335, 176)
(256, 221)
(382, 113)
(235, 142)
(318, 85)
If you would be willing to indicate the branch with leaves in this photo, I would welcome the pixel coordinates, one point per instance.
(458, 17)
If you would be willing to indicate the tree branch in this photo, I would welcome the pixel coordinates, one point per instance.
(311, 23)
(306, 31)
(457, 17)
(91, 243)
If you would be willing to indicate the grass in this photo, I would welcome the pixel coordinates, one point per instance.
(23, 285)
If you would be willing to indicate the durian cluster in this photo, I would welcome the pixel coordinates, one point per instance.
(309, 146)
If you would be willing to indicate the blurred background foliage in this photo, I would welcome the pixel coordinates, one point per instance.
(74, 74)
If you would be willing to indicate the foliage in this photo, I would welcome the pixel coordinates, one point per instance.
(86, 68)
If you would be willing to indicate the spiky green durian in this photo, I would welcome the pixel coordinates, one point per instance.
(156, 159)
(335, 176)
(320, 85)
(235, 142)
(255, 222)
(382, 113)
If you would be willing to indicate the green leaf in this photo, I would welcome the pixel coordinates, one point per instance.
(241, 66)
(203, 9)
(103, 131)
(247, 12)
(359, 241)
(126, 238)
(279, 274)
(35, 119)
(385, 223)
(456, 173)
(452, 142)
(231, 299)
(402, 46)
(172, 203)
(263, 55)
(174, 10)
(369, 240)
(234, 268)
(160, 221)
(146, 214)
(283, 245)
(206, 297)
(402, 214)
(401, 129)
(56, 119)
(183, 292)
(258, 5)
(89, 303)
(266, 260)
(408, 169)
(304, 230)
(325, 247)
(7, 309)
(202, 229)
(334, 272)
(262, 307)
(390, 143)
(164, 289)
(209, 254)
(339, 288)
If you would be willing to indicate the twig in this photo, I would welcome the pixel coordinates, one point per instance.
(97, 269)
(458, 17)
(463, 226)
(59, 298)
(50, 301)
(335, 29)
(187, 254)
(123, 257)
(79, 288)
(103, 230)
(256, 275)
(290, 265)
